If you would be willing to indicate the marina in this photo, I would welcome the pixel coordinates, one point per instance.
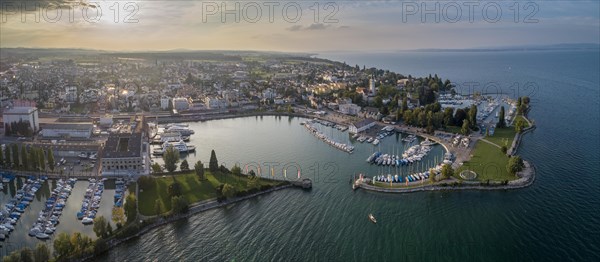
(48, 218)
(91, 201)
(341, 146)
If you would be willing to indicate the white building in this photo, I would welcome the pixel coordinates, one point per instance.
(372, 86)
(25, 114)
(213, 103)
(349, 109)
(164, 103)
(181, 103)
(67, 130)
(361, 125)
(71, 94)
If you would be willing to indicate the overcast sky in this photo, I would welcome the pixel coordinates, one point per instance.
(338, 26)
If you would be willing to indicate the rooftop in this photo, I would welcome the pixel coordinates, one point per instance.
(67, 126)
(20, 110)
(123, 145)
(363, 122)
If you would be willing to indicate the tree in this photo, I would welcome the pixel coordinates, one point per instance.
(515, 164)
(519, 125)
(431, 175)
(130, 208)
(213, 164)
(50, 159)
(465, 127)
(184, 165)
(459, 117)
(7, 157)
(447, 171)
(15, 155)
(41, 252)
(156, 168)
(199, 168)
(227, 190)
(100, 227)
(33, 159)
(504, 149)
(41, 159)
(118, 216)
(473, 116)
(158, 207)
(501, 122)
(179, 204)
(171, 157)
(26, 255)
(236, 170)
(24, 160)
(62, 245)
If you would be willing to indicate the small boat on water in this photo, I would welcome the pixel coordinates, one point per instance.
(42, 236)
(372, 218)
(180, 146)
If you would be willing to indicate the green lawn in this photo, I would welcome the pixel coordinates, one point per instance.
(488, 162)
(502, 136)
(521, 117)
(194, 190)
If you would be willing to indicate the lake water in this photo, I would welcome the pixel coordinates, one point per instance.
(555, 219)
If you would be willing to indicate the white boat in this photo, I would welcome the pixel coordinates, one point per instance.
(372, 218)
(42, 236)
(180, 146)
(184, 131)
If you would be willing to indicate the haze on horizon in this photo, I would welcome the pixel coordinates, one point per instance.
(338, 26)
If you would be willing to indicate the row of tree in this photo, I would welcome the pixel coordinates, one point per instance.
(32, 159)
(20, 128)
(431, 117)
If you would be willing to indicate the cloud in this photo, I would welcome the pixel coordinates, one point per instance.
(294, 28)
(311, 27)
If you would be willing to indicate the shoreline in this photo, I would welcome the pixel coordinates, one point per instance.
(194, 209)
(526, 177)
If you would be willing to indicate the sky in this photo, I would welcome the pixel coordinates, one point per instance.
(295, 26)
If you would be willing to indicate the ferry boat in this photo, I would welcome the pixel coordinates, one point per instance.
(184, 131)
(180, 146)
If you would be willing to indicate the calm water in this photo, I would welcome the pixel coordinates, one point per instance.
(555, 219)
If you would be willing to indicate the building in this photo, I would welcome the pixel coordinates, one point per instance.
(67, 130)
(106, 121)
(213, 103)
(361, 125)
(349, 109)
(164, 103)
(181, 103)
(372, 86)
(24, 114)
(123, 155)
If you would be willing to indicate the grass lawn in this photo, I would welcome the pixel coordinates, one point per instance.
(193, 189)
(521, 117)
(501, 135)
(488, 162)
